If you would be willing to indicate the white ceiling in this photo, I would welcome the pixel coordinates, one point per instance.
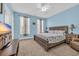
(31, 8)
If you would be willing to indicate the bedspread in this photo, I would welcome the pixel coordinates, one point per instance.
(51, 38)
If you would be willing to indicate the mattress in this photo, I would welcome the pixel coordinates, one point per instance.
(51, 38)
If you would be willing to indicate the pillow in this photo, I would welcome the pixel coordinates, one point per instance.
(52, 31)
(58, 32)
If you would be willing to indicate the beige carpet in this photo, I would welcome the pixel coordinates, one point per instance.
(32, 48)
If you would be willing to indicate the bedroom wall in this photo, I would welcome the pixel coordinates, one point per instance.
(68, 17)
(33, 30)
(1, 17)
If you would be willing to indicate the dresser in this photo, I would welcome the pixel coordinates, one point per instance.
(11, 50)
(5, 38)
(8, 47)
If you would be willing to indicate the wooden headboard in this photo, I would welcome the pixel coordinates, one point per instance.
(59, 28)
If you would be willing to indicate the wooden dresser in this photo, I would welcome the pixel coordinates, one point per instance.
(11, 49)
(8, 47)
(5, 38)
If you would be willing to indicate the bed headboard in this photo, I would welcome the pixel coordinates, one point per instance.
(59, 28)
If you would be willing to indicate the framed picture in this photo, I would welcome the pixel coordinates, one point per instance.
(1, 7)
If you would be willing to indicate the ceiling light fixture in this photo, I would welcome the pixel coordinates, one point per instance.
(43, 6)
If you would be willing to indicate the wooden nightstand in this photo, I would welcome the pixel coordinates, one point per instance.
(70, 37)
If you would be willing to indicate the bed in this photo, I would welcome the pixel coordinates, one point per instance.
(49, 40)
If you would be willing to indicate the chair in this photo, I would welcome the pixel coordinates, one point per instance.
(75, 43)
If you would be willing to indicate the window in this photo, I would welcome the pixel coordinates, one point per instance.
(24, 25)
(7, 16)
(40, 26)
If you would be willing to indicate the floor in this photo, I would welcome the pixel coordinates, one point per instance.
(32, 48)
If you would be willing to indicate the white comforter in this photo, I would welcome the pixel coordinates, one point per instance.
(52, 38)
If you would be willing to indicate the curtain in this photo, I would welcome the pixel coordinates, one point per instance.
(40, 26)
(24, 25)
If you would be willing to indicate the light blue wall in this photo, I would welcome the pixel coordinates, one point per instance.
(1, 17)
(33, 30)
(70, 16)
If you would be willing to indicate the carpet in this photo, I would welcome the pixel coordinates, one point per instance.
(32, 48)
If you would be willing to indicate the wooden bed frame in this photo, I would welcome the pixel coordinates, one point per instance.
(45, 43)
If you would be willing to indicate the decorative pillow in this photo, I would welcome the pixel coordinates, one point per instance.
(52, 31)
(58, 32)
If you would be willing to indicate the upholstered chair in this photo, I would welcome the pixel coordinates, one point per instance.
(75, 43)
